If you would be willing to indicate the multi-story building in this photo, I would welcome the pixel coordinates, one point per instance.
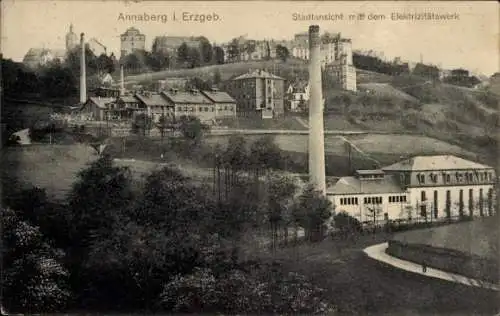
(298, 96)
(37, 57)
(344, 73)
(224, 104)
(208, 106)
(110, 104)
(258, 94)
(170, 44)
(132, 40)
(336, 56)
(156, 105)
(425, 188)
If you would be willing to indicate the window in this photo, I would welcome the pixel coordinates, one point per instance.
(435, 204)
(422, 196)
(421, 178)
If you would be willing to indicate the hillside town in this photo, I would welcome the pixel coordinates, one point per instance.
(256, 176)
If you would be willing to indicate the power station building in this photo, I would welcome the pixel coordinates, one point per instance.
(423, 188)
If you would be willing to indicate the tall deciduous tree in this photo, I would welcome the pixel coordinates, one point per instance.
(101, 193)
(219, 55)
(282, 52)
(192, 128)
(312, 212)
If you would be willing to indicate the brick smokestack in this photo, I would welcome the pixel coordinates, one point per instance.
(316, 129)
(122, 84)
(83, 76)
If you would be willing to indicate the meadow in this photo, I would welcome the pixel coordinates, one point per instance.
(477, 237)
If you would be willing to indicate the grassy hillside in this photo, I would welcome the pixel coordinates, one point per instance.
(476, 237)
(226, 70)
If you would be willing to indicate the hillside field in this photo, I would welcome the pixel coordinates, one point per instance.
(372, 143)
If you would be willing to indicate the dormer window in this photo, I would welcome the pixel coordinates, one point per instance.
(433, 177)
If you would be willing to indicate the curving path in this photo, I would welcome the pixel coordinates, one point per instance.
(377, 252)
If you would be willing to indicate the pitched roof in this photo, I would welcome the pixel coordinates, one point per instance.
(219, 96)
(186, 97)
(153, 99)
(440, 162)
(102, 102)
(353, 185)
(128, 99)
(258, 74)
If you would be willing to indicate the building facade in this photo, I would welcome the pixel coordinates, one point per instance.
(298, 96)
(423, 188)
(170, 44)
(132, 40)
(36, 57)
(258, 94)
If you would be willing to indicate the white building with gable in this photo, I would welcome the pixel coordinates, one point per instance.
(420, 188)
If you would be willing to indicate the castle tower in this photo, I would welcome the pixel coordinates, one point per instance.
(316, 129)
(71, 39)
(83, 76)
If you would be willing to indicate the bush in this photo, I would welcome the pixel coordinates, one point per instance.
(261, 289)
(346, 225)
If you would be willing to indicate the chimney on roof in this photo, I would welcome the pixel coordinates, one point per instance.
(173, 90)
(194, 91)
(214, 89)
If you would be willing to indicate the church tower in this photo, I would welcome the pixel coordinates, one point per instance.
(71, 39)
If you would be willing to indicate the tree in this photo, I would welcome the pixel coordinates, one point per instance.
(132, 62)
(183, 53)
(311, 211)
(264, 155)
(282, 52)
(101, 193)
(163, 125)
(219, 55)
(194, 58)
(198, 83)
(157, 60)
(33, 278)
(73, 61)
(192, 128)
(373, 212)
(217, 77)
(206, 51)
(105, 64)
(346, 225)
(57, 81)
(281, 191)
(233, 51)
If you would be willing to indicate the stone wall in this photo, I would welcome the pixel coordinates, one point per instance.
(446, 259)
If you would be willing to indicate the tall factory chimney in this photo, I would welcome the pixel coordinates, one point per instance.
(83, 76)
(122, 84)
(316, 130)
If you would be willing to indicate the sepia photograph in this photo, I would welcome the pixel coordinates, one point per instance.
(249, 157)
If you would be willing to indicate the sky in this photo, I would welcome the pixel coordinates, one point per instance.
(470, 39)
